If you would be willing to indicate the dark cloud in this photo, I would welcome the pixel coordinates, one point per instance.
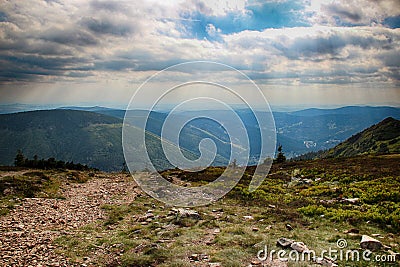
(115, 65)
(335, 75)
(104, 26)
(143, 65)
(390, 58)
(15, 75)
(53, 49)
(112, 6)
(310, 48)
(34, 45)
(17, 71)
(35, 61)
(31, 67)
(351, 13)
(51, 2)
(271, 75)
(394, 73)
(97, 35)
(75, 36)
(344, 13)
(78, 74)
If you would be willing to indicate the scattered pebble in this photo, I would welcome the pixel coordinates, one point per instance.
(28, 231)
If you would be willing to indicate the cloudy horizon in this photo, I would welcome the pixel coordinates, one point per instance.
(299, 53)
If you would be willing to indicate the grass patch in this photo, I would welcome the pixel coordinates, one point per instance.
(317, 210)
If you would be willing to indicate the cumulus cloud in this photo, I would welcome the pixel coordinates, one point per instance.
(306, 42)
(106, 26)
(212, 30)
(216, 8)
(111, 6)
(346, 13)
(318, 53)
(71, 36)
(352, 12)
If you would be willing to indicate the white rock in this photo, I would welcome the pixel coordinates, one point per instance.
(299, 247)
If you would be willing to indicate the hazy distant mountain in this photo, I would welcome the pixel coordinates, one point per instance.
(69, 135)
(320, 129)
(298, 132)
(349, 110)
(92, 135)
(16, 107)
(383, 137)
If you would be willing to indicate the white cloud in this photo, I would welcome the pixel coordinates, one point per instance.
(117, 43)
(359, 12)
(214, 7)
(212, 30)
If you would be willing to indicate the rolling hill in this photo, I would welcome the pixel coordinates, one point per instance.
(70, 135)
(298, 132)
(92, 135)
(382, 138)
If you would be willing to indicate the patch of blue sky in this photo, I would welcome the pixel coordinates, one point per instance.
(256, 17)
(392, 22)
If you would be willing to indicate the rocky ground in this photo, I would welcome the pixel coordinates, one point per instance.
(104, 219)
(27, 232)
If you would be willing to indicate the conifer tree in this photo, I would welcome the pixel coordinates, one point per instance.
(281, 156)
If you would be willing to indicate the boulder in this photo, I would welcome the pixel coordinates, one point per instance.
(370, 243)
(299, 247)
(147, 217)
(187, 213)
(284, 242)
(325, 261)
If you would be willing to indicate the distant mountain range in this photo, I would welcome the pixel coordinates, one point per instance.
(298, 132)
(70, 135)
(16, 107)
(92, 135)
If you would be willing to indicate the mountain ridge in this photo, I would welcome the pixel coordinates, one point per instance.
(98, 131)
(70, 135)
(380, 138)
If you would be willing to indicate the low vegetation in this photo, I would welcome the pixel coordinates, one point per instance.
(316, 202)
(321, 201)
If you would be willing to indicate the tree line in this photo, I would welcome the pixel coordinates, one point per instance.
(50, 163)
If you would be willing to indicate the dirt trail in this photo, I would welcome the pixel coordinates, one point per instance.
(27, 232)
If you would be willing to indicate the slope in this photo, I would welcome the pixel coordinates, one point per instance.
(70, 135)
(381, 138)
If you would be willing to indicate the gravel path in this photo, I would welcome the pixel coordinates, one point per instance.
(27, 232)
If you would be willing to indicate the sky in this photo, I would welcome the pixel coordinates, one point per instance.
(299, 53)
